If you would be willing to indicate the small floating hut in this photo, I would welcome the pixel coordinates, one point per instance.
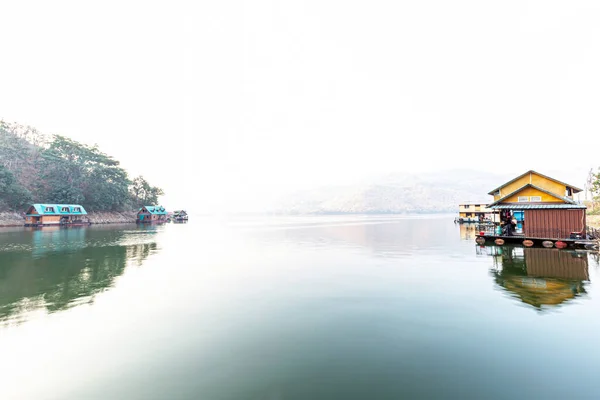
(179, 216)
(151, 214)
(56, 214)
(537, 208)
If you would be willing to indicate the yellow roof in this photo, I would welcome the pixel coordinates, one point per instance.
(575, 189)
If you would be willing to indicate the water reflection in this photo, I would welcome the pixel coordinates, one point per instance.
(468, 231)
(55, 239)
(54, 269)
(385, 237)
(542, 278)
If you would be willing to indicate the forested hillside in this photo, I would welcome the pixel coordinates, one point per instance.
(36, 168)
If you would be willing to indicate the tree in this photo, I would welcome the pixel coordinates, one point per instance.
(595, 185)
(14, 195)
(110, 189)
(77, 173)
(142, 193)
(61, 170)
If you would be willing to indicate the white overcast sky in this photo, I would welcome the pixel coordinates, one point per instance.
(224, 103)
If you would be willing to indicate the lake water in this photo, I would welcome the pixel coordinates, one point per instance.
(293, 308)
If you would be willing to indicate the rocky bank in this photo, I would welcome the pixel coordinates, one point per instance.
(11, 219)
(16, 219)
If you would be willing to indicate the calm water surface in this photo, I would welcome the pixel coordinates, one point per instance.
(293, 308)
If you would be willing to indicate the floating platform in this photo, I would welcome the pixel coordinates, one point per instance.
(519, 239)
(40, 224)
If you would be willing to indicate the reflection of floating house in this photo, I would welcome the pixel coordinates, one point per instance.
(475, 212)
(56, 240)
(543, 207)
(467, 231)
(56, 214)
(150, 214)
(541, 277)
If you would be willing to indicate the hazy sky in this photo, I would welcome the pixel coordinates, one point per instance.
(229, 102)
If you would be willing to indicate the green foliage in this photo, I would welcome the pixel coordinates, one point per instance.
(35, 168)
(109, 189)
(142, 193)
(595, 185)
(12, 193)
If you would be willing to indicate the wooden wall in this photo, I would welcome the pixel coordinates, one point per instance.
(50, 219)
(553, 223)
(546, 198)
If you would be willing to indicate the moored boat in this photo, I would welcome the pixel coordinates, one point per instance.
(179, 216)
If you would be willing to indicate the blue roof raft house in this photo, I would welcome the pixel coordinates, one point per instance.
(56, 214)
(151, 214)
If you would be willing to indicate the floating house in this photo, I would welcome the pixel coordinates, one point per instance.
(151, 214)
(55, 214)
(542, 207)
(476, 212)
(179, 216)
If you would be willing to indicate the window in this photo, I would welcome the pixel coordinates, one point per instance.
(569, 191)
(49, 209)
(536, 198)
(523, 199)
(76, 209)
(65, 209)
(466, 206)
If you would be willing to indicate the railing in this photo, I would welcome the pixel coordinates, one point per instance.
(487, 229)
(546, 233)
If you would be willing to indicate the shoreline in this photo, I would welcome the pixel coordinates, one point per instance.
(12, 219)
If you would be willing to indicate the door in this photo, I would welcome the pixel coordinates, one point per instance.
(520, 217)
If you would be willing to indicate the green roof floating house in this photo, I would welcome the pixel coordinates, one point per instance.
(56, 214)
(151, 214)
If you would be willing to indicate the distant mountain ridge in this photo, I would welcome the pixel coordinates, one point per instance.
(397, 193)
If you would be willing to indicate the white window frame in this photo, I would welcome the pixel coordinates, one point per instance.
(49, 209)
(523, 199)
(535, 198)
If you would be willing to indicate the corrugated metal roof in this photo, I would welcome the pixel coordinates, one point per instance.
(57, 209)
(518, 206)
